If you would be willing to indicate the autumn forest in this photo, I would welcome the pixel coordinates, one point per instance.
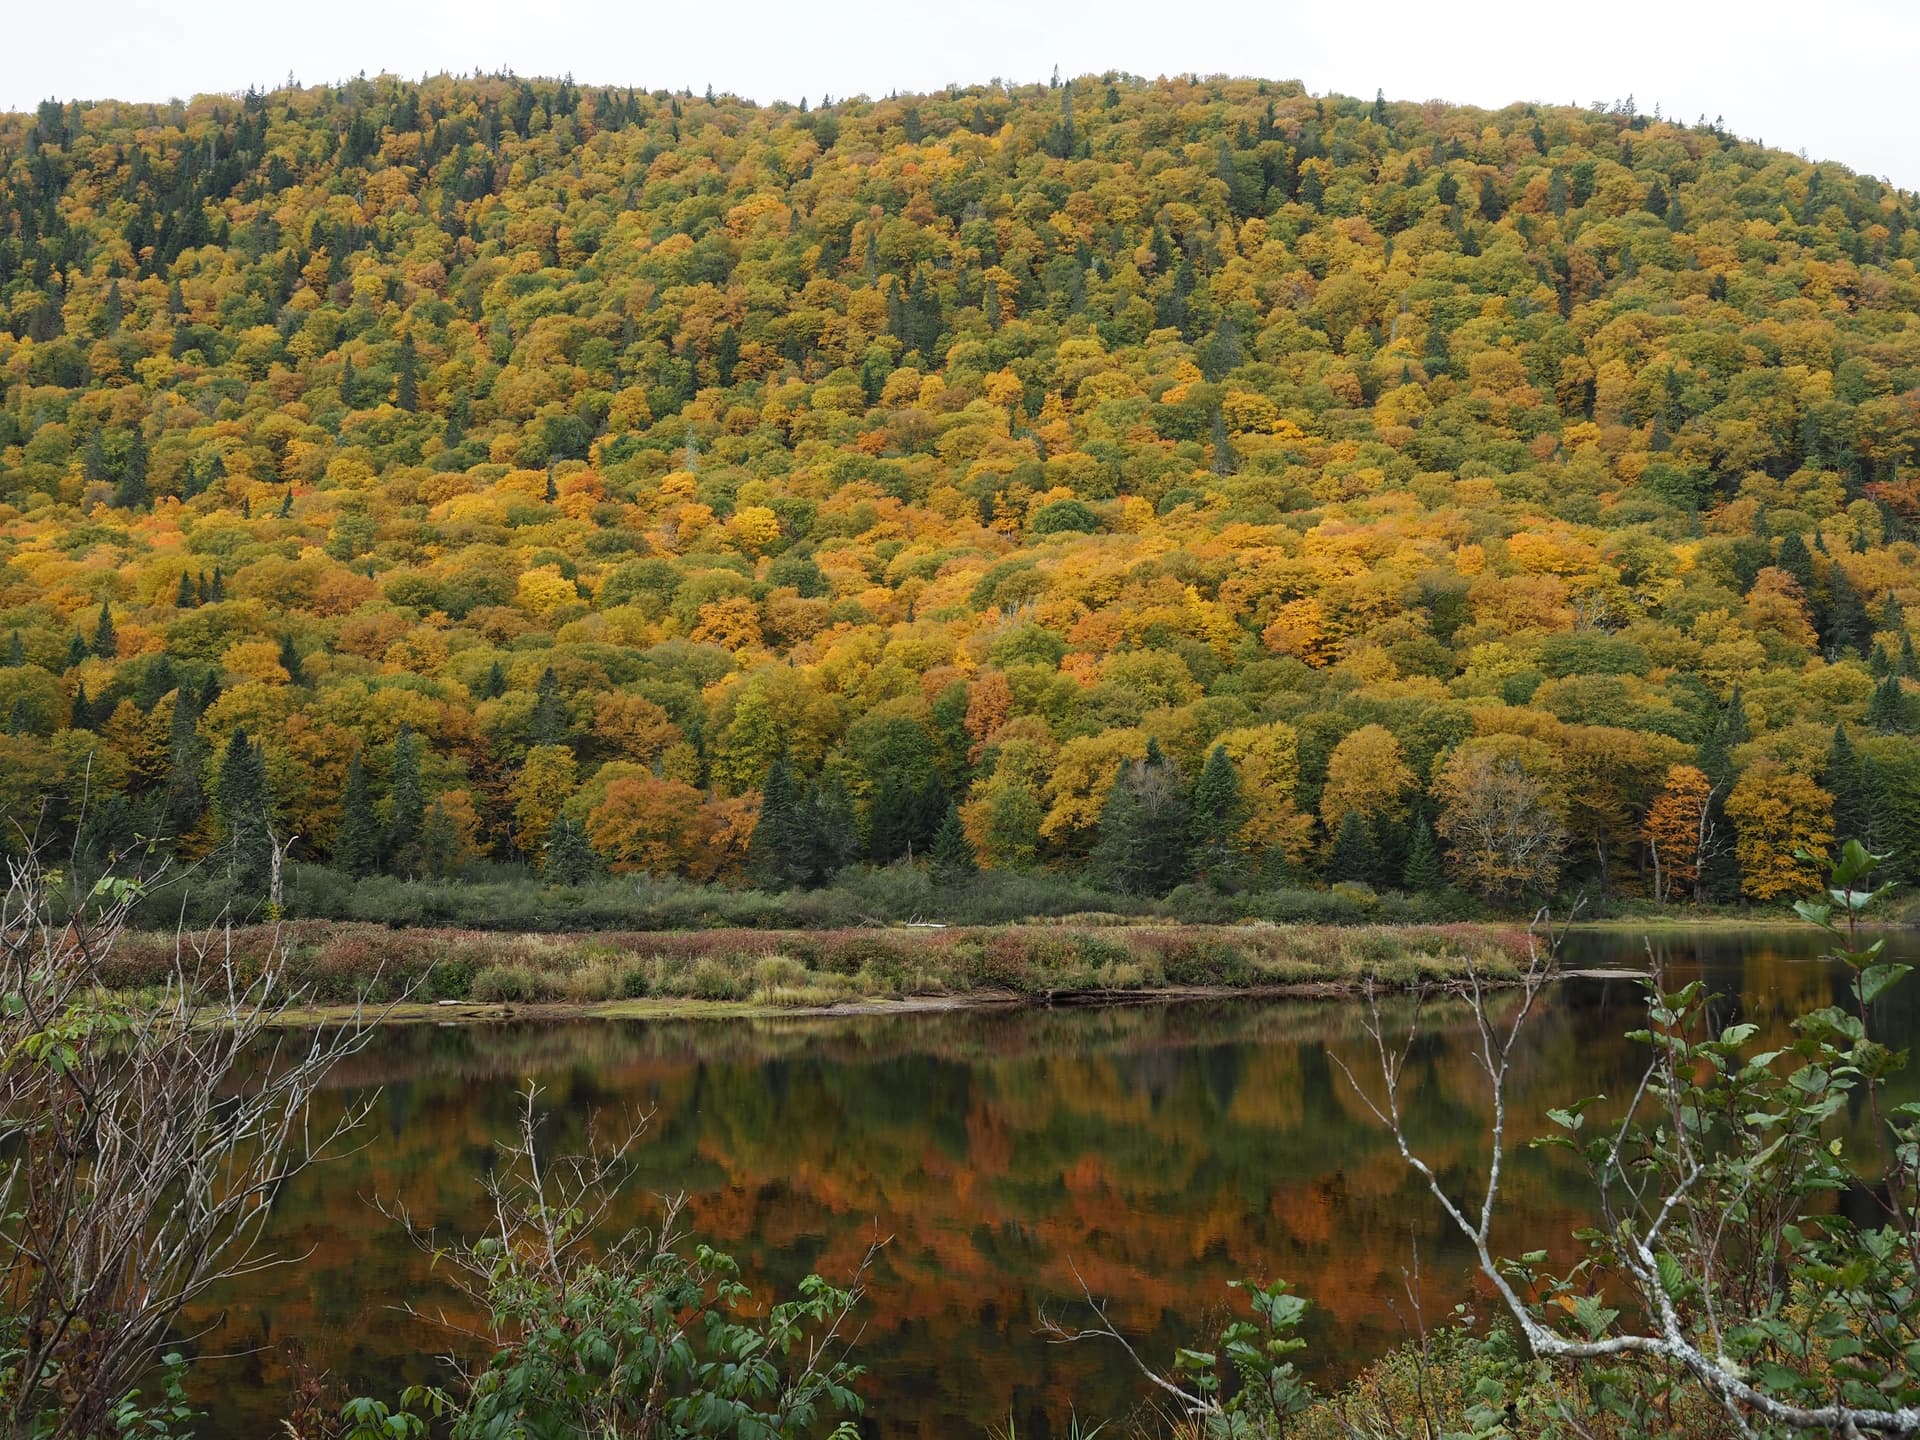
(1185, 483)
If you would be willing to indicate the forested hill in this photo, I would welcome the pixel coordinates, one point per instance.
(528, 470)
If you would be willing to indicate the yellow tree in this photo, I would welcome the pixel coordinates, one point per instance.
(546, 782)
(649, 825)
(1366, 772)
(1776, 816)
(1502, 815)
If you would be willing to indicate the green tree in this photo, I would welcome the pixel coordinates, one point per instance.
(1145, 828)
(950, 859)
(106, 643)
(1217, 812)
(185, 801)
(1352, 853)
(1424, 873)
(549, 724)
(568, 857)
(245, 810)
(777, 852)
(356, 848)
(406, 803)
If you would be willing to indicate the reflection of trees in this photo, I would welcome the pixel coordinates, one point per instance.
(1165, 1150)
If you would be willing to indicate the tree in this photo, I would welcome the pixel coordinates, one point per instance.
(1887, 709)
(950, 859)
(1678, 830)
(1353, 854)
(546, 782)
(106, 644)
(406, 803)
(1501, 816)
(567, 857)
(185, 801)
(777, 855)
(449, 835)
(1217, 814)
(831, 839)
(549, 723)
(1424, 873)
(245, 809)
(1780, 820)
(1145, 828)
(1368, 773)
(1842, 779)
(356, 849)
(648, 825)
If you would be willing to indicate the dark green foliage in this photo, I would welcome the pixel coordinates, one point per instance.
(246, 813)
(1841, 776)
(185, 800)
(567, 858)
(356, 848)
(1887, 710)
(1423, 873)
(1218, 810)
(1353, 854)
(106, 643)
(777, 852)
(549, 724)
(407, 804)
(1145, 828)
(950, 859)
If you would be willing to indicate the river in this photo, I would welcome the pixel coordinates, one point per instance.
(1159, 1150)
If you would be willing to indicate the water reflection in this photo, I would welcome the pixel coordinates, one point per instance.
(1161, 1150)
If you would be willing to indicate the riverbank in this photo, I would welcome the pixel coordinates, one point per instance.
(486, 974)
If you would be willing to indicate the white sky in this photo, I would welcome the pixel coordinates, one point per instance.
(1835, 78)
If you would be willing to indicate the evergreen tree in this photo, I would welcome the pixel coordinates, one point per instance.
(439, 842)
(1887, 708)
(1848, 627)
(406, 384)
(16, 652)
(290, 661)
(1841, 778)
(1423, 873)
(183, 598)
(407, 804)
(548, 725)
(185, 801)
(1351, 856)
(903, 814)
(1145, 828)
(950, 859)
(76, 652)
(831, 838)
(131, 492)
(495, 685)
(1909, 668)
(1217, 812)
(1797, 561)
(80, 710)
(106, 643)
(568, 858)
(217, 589)
(776, 853)
(244, 807)
(356, 849)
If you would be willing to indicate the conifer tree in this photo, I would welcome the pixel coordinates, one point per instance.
(1841, 778)
(290, 661)
(1217, 812)
(495, 685)
(185, 801)
(183, 597)
(245, 810)
(1423, 874)
(76, 652)
(1145, 828)
(568, 858)
(831, 839)
(439, 841)
(406, 803)
(16, 652)
(950, 859)
(80, 709)
(1887, 707)
(776, 853)
(106, 643)
(548, 723)
(356, 849)
(1351, 856)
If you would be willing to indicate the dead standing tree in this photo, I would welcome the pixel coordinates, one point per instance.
(142, 1141)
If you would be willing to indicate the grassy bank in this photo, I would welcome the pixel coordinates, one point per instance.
(782, 969)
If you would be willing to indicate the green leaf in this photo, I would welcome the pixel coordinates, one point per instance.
(1876, 979)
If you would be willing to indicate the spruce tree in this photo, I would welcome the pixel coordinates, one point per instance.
(439, 842)
(1848, 627)
(1423, 874)
(217, 587)
(290, 661)
(495, 685)
(407, 804)
(1351, 856)
(245, 813)
(776, 856)
(183, 597)
(185, 801)
(1841, 778)
(1216, 813)
(80, 710)
(950, 859)
(568, 858)
(356, 849)
(106, 643)
(16, 652)
(1145, 828)
(76, 652)
(831, 838)
(1887, 707)
(1909, 668)
(548, 723)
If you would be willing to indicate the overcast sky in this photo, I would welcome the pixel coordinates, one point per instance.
(1835, 79)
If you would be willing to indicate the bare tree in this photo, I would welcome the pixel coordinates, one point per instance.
(144, 1138)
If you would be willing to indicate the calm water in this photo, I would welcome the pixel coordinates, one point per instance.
(1164, 1150)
